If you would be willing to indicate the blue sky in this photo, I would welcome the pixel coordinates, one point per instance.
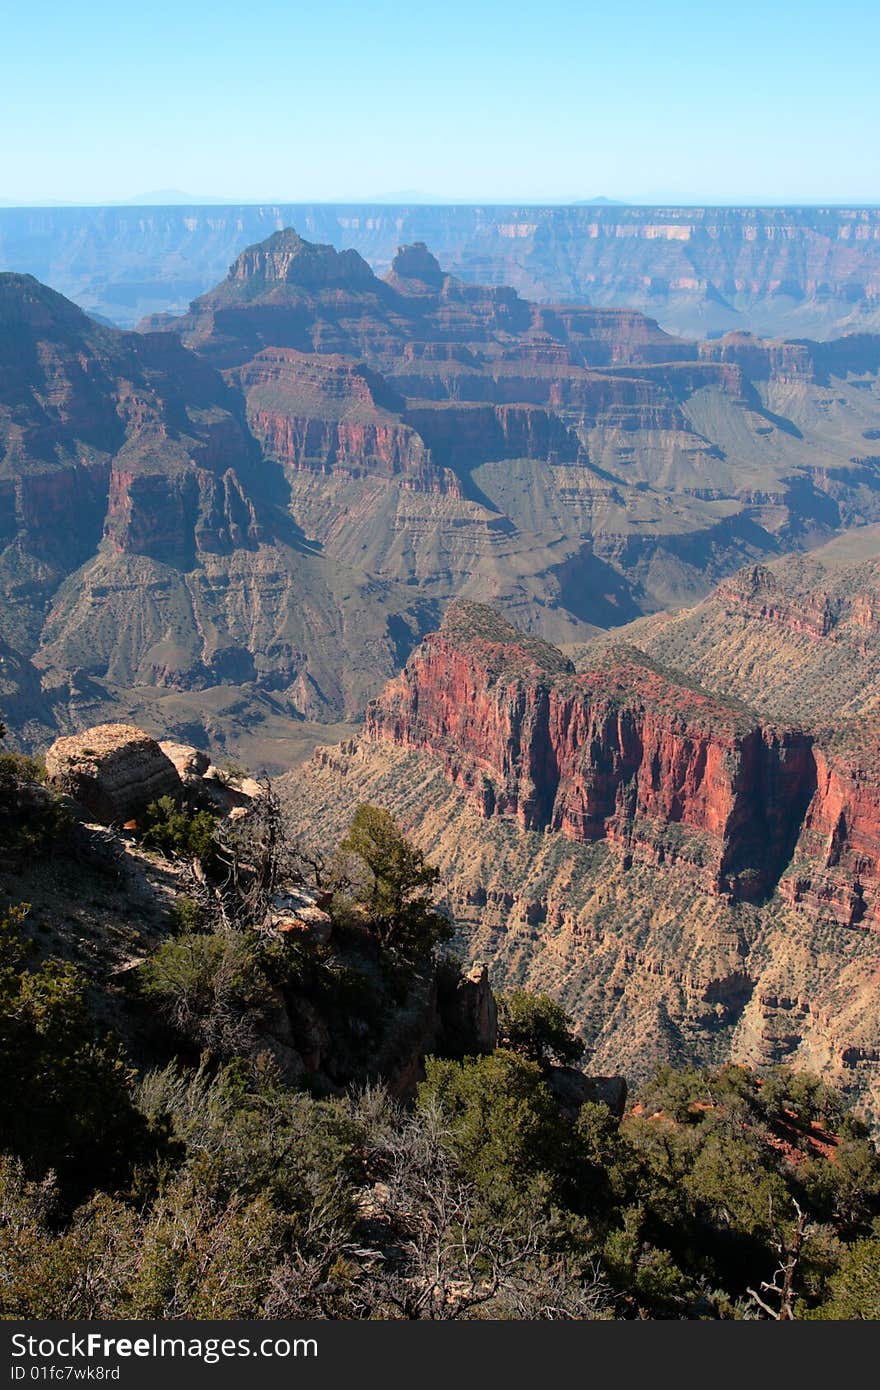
(482, 100)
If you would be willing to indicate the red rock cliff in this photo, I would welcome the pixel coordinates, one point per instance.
(635, 755)
(173, 514)
(331, 414)
(836, 867)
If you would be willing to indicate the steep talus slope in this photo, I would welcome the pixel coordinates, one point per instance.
(789, 270)
(798, 638)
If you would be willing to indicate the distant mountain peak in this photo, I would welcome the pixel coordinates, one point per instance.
(287, 258)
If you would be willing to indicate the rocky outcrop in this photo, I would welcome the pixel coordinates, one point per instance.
(172, 514)
(357, 449)
(836, 867)
(298, 916)
(468, 1013)
(462, 436)
(610, 337)
(763, 359)
(287, 259)
(756, 596)
(574, 1089)
(632, 754)
(414, 271)
(36, 507)
(112, 770)
(840, 607)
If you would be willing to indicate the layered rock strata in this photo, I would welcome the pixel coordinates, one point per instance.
(635, 755)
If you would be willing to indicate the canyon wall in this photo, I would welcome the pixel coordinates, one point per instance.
(800, 271)
(281, 490)
(331, 415)
(632, 754)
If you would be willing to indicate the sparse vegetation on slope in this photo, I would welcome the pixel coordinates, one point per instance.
(202, 1172)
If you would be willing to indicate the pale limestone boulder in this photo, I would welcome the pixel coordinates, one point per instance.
(112, 770)
(243, 786)
(191, 763)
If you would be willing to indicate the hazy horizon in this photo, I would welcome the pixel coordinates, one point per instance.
(173, 199)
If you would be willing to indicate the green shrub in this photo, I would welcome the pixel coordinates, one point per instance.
(854, 1288)
(800, 1097)
(535, 1026)
(505, 1125)
(212, 987)
(20, 767)
(177, 831)
(78, 1119)
(186, 915)
(390, 885)
(31, 816)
